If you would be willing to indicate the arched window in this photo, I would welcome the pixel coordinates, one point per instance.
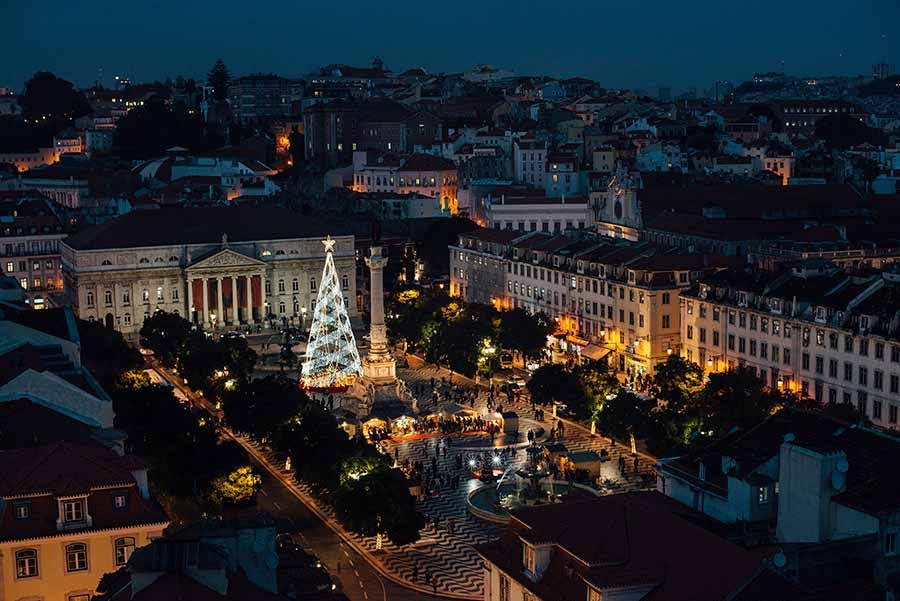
(76, 557)
(107, 297)
(127, 318)
(106, 262)
(279, 252)
(173, 259)
(281, 308)
(26, 563)
(158, 260)
(144, 260)
(124, 549)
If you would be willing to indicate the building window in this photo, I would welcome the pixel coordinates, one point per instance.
(281, 286)
(124, 549)
(159, 293)
(76, 557)
(504, 587)
(174, 294)
(22, 510)
(26, 563)
(108, 298)
(127, 319)
(90, 299)
(126, 297)
(762, 495)
(79, 597)
(73, 511)
(345, 283)
(313, 285)
(295, 285)
(120, 500)
(10, 267)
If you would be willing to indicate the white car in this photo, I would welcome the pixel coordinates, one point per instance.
(516, 381)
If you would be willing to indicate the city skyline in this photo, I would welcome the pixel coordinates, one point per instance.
(664, 47)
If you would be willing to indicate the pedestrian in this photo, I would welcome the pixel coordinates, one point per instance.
(415, 573)
(635, 464)
(434, 583)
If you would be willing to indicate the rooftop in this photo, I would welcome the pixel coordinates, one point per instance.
(181, 225)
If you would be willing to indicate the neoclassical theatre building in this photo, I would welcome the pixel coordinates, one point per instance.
(219, 267)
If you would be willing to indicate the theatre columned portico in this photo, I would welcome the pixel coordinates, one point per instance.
(226, 288)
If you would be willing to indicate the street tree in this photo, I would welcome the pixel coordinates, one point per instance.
(316, 447)
(598, 385)
(379, 503)
(238, 487)
(524, 332)
(624, 415)
(261, 406)
(553, 382)
(678, 382)
(106, 353)
(164, 333)
(739, 398)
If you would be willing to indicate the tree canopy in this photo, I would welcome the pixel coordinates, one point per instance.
(48, 97)
(219, 78)
(379, 502)
(165, 333)
(148, 130)
(844, 131)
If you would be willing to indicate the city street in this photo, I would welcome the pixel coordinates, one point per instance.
(444, 553)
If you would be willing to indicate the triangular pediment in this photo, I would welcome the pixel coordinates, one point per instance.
(225, 258)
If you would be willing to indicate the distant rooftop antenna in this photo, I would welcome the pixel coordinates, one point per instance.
(782, 66)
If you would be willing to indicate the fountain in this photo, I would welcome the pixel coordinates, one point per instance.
(533, 486)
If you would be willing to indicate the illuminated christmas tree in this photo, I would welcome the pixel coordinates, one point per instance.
(332, 361)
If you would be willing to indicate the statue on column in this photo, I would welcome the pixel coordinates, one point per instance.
(379, 366)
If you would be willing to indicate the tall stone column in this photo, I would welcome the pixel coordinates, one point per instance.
(234, 302)
(248, 279)
(262, 298)
(378, 366)
(205, 301)
(220, 306)
(190, 300)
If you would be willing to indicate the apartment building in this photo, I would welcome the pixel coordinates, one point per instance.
(529, 159)
(607, 296)
(30, 235)
(813, 330)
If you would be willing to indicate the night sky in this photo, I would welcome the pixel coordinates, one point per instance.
(641, 43)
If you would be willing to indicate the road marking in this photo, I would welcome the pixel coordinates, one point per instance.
(275, 503)
(356, 572)
(361, 585)
(351, 561)
(365, 594)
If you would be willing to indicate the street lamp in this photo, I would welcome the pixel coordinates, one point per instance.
(303, 318)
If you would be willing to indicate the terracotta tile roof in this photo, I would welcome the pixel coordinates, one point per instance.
(68, 468)
(428, 162)
(59, 467)
(626, 540)
(183, 225)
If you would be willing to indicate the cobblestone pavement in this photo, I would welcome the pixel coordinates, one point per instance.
(448, 554)
(446, 550)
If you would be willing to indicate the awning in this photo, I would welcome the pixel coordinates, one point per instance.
(592, 351)
(577, 341)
